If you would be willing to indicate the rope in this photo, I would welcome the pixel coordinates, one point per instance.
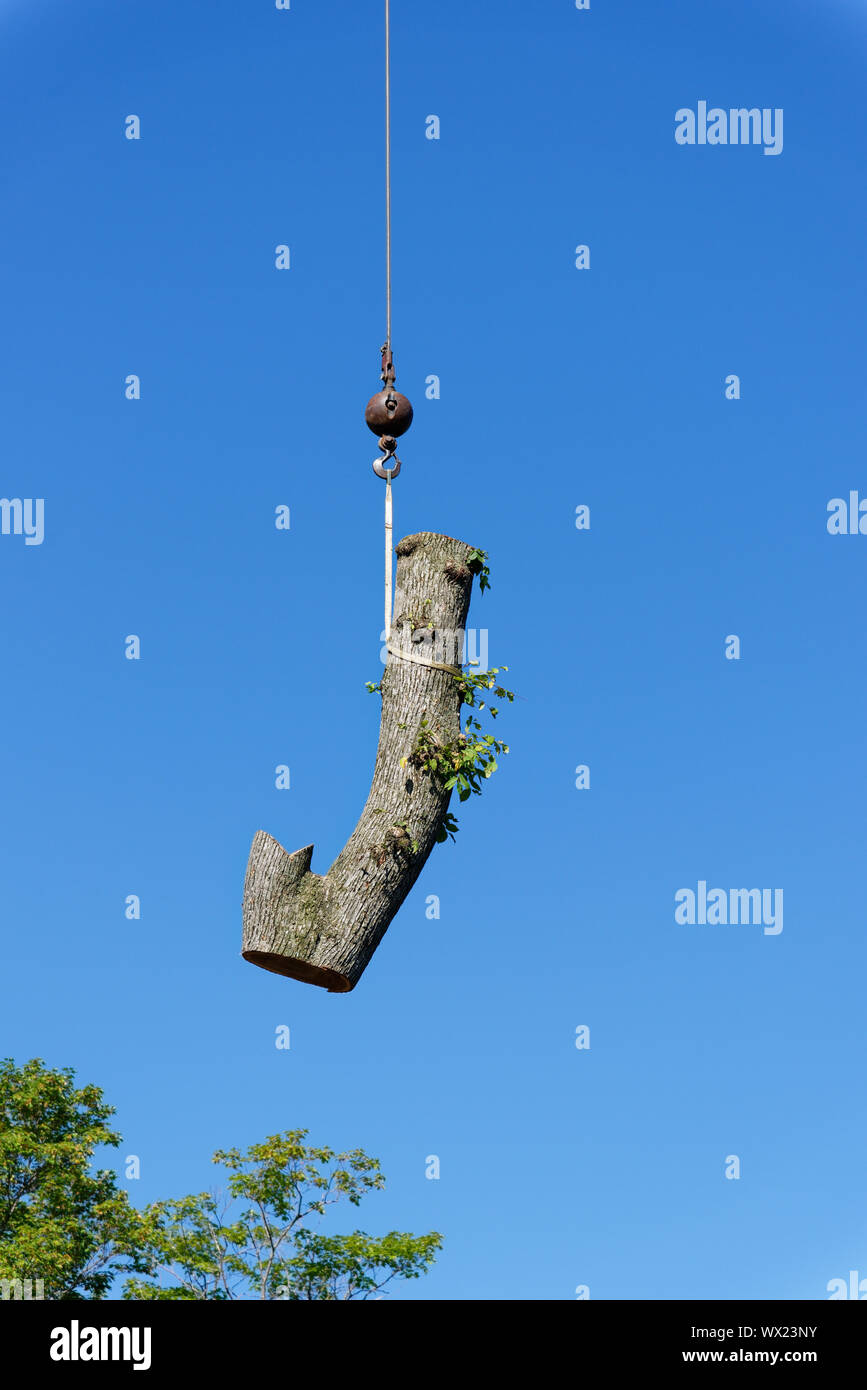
(423, 661)
(388, 172)
(388, 557)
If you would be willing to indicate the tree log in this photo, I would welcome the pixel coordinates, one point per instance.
(323, 929)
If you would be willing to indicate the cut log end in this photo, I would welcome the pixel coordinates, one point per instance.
(295, 969)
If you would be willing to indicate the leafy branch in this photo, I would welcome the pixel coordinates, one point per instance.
(467, 761)
(477, 563)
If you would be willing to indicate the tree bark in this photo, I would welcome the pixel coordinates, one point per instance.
(323, 929)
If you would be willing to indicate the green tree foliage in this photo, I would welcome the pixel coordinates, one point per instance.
(72, 1227)
(59, 1221)
(255, 1242)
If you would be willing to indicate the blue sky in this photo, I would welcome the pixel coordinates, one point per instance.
(606, 387)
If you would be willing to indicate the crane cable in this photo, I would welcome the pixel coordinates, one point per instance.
(388, 502)
(388, 413)
(388, 173)
(381, 468)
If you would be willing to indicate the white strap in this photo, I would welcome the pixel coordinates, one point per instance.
(423, 661)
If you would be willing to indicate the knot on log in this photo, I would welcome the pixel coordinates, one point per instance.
(324, 929)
